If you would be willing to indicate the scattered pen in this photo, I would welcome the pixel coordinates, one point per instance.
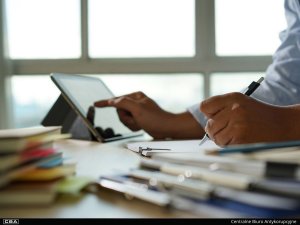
(141, 149)
(256, 147)
(251, 88)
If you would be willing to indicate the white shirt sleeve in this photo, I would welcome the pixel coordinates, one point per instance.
(199, 116)
(282, 81)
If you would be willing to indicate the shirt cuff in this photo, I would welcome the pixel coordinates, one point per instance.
(199, 116)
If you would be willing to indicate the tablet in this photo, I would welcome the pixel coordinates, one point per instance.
(81, 92)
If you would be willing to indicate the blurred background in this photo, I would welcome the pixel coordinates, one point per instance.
(178, 52)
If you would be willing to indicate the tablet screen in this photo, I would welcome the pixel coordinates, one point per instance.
(83, 91)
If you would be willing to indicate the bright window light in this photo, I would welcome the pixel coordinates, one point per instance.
(141, 28)
(43, 29)
(32, 97)
(248, 27)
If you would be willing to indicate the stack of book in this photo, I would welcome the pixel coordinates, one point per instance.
(261, 180)
(30, 167)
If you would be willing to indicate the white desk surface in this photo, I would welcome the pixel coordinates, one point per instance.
(95, 159)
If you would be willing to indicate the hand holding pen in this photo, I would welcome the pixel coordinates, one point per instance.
(229, 116)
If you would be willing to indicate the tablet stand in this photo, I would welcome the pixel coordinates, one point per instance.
(61, 114)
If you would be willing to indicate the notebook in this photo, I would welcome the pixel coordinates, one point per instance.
(17, 140)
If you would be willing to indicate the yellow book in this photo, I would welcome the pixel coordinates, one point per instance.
(7, 176)
(46, 174)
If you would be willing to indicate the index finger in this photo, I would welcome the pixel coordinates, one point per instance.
(124, 103)
(102, 103)
(107, 102)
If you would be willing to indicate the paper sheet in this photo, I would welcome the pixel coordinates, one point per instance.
(174, 146)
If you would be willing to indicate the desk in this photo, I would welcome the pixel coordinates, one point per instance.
(95, 159)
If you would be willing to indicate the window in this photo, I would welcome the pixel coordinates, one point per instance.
(248, 27)
(43, 29)
(32, 98)
(141, 28)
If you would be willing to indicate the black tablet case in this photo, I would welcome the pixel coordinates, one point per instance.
(61, 114)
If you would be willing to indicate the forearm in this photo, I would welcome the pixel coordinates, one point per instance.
(291, 122)
(182, 126)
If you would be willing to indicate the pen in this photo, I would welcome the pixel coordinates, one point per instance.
(147, 149)
(251, 88)
(258, 147)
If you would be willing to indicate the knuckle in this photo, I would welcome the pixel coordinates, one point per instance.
(137, 95)
(140, 93)
(121, 100)
(238, 112)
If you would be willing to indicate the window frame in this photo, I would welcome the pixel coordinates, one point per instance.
(204, 62)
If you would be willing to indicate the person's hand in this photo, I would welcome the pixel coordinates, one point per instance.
(236, 119)
(137, 111)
